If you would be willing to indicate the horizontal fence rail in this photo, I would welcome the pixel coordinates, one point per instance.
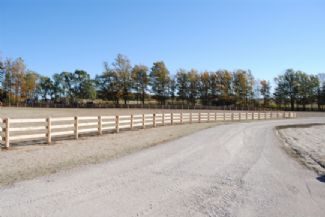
(20, 130)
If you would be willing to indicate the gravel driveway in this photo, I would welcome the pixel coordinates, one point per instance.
(239, 169)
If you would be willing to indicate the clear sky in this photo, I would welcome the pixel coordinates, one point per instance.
(266, 36)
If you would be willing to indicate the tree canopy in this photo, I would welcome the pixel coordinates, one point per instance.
(122, 81)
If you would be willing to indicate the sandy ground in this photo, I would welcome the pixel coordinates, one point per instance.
(29, 161)
(13, 112)
(310, 114)
(307, 143)
(238, 169)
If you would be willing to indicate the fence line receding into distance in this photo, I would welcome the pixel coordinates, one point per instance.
(21, 130)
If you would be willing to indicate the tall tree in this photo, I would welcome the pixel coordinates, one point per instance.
(29, 87)
(18, 73)
(314, 87)
(224, 81)
(321, 97)
(265, 91)
(194, 84)
(2, 75)
(240, 85)
(182, 84)
(140, 80)
(84, 87)
(159, 81)
(172, 86)
(67, 79)
(214, 87)
(287, 87)
(122, 67)
(59, 93)
(108, 85)
(250, 88)
(8, 81)
(205, 87)
(45, 88)
(303, 81)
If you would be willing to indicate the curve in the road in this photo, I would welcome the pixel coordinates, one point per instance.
(229, 170)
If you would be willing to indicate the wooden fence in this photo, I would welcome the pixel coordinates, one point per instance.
(44, 129)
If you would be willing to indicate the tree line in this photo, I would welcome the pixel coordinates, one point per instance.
(121, 82)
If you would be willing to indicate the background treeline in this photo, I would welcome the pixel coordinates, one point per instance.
(126, 84)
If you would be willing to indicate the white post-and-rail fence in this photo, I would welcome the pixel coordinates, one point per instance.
(21, 130)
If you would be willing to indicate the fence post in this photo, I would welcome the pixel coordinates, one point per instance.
(131, 122)
(171, 118)
(143, 122)
(181, 117)
(154, 119)
(117, 123)
(259, 116)
(163, 119)
(224, 116)
(48, 127)
(190, 117)
(208, 117)
(100, 125)
(265, 115)
(232, 116)
(76, 127)
(199, 117)
(5, 129)
(215, 116)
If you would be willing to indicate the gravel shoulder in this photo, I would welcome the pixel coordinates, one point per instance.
(30, 161)
(306, 143)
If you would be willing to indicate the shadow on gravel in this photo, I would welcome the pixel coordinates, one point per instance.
(321, 178)
(298, 126)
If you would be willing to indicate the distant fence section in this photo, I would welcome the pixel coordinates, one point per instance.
(45, 129)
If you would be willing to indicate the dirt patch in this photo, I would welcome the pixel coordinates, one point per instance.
(306, 143)
(27, 162)
(13, 112)
(310, 114)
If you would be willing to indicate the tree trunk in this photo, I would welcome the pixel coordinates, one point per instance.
(142, 97)
(292, 103)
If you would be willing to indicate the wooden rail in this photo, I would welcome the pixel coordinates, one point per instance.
(47, 128)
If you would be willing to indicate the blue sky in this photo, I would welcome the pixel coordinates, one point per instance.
(264, 36)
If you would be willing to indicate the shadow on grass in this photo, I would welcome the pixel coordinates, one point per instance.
(321, 178)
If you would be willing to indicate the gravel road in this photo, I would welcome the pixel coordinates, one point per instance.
(237, 169)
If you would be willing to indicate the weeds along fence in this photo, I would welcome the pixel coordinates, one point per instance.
(45, 129)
